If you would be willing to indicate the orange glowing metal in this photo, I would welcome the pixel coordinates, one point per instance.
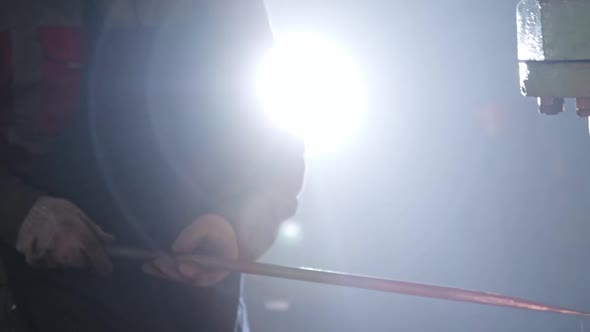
(354, 281)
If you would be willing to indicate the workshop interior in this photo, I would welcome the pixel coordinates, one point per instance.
(447, 146)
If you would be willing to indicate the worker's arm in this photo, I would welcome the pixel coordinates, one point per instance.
(47, 231)
(247, 209)
(245, 225)
(16, 200)
(273, 198)
(270, 162)
(259, 213)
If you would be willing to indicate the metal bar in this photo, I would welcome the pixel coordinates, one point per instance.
(354, 281)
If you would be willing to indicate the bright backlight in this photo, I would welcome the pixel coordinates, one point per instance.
(311, 88)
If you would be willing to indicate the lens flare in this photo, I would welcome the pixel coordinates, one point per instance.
(312, 88)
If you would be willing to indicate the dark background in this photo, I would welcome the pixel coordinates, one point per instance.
(454, 179)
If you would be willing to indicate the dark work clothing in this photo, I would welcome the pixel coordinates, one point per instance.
(167, 131)
(125, 301)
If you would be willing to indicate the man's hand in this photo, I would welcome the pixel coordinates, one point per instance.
(56, 233)
(208, 235)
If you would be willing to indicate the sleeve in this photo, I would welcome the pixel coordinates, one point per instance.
(16, 199)
(274, 199)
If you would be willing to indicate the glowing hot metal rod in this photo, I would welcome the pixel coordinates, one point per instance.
(354, 281)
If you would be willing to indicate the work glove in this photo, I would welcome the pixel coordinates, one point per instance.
(56, 233)
(209, 235)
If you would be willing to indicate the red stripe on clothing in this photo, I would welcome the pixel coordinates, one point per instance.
(61, 76)
(6, 78)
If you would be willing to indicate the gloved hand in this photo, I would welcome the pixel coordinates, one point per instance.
(207, 235)
(56, 233)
